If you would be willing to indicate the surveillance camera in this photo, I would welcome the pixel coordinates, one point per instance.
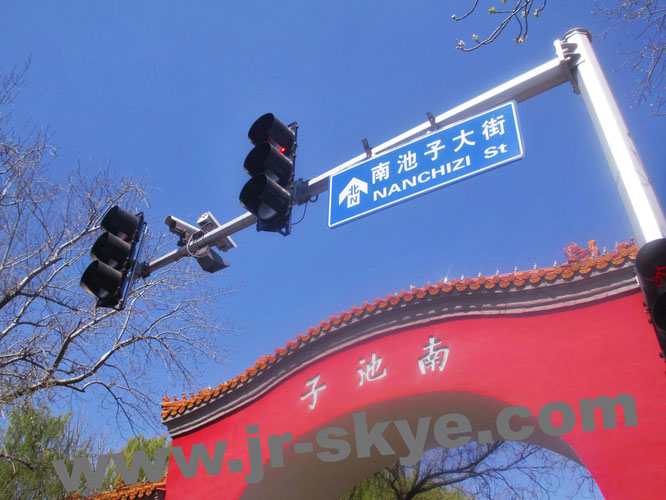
(182, 229)
(207, 222)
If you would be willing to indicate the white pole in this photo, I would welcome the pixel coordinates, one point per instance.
(638, 196)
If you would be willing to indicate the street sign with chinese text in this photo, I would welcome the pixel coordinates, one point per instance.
(469, 147)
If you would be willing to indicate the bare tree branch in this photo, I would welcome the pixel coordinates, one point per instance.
(648, 17)
(520, 13)
(496, 470)
(643, 20)
(5, 456)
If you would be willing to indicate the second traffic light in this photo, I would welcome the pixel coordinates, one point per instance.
(115, 257)
(269, 193)
(651, 270)
(651, 267)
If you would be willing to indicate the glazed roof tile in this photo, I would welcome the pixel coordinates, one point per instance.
(580, 262)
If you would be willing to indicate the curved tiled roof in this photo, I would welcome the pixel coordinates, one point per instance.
(581, 262)
(139, 490)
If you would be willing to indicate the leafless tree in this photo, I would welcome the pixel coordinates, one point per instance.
(643, 19)
(519, 13)
(648, 18)
(53, 340)
(497, 470)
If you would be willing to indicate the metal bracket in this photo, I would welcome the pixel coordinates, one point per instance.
(431, 119)
(366, 147)
(138, 268)
(300, 195)
(566, 55)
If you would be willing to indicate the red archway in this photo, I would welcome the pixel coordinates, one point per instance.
(563, 334)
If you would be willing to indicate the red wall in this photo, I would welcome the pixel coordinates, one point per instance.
(601, 350)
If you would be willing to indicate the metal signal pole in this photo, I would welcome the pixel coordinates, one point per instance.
(640, 201)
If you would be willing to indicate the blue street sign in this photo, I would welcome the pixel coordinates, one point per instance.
(474, 145)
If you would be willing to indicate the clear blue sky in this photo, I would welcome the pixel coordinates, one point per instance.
(168, 90)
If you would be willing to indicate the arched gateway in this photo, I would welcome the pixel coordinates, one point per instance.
(473, 347)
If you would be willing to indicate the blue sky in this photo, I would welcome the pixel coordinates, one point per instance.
(167, 91)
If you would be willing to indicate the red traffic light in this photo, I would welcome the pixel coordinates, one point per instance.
(268, 194)
(267, 128)
(265, 158)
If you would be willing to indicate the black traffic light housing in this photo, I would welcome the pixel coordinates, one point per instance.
(115, 257)
(651, 271)
(269, 193)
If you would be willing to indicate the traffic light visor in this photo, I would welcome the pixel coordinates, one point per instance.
(264, 197)
(111, 250)
(121, 223)
(650, 258)
(101, 280)
(265, 158)
(268, 127)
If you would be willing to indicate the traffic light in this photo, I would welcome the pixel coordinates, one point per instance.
(651, 269)
(269, 193)
(115, 253)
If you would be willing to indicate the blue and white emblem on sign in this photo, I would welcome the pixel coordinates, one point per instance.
(469, 147)
(352, 192)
